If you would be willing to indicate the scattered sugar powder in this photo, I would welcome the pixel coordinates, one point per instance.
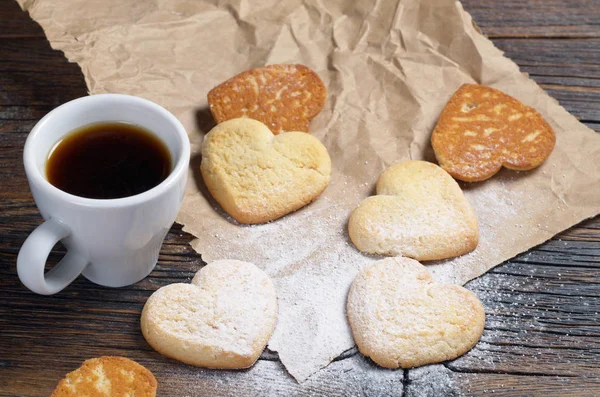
(432, 381)
(312, 263)
(495, 207)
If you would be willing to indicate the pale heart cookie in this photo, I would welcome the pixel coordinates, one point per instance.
(482, 129)
(257, 176)
(223, 319)
(401, 318)
(419, 212)
(108, 377)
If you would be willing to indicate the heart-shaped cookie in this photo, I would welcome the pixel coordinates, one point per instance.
(284, 97)
(419, 212)
(257, 176)
(482, 129)
(223, 319)
(401, 318)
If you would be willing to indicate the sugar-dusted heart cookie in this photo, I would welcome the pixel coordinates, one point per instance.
(419, 211)
(284, 97)
(401, 318)
(257, 176)
(482, 129)
(108, 376)
(223, 319)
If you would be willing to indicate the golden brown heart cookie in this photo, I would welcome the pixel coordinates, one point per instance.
(283, 97)
(419, 211)
(108, 377)
(223, 319)
(257, 176)
(401, 318)
(482, 129)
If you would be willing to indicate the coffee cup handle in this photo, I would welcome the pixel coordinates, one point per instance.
(34, 252)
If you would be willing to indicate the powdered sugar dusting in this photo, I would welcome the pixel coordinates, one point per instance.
(495, 207)
(312, 263)
(431, 381)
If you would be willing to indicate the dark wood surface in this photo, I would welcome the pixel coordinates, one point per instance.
(542, 334)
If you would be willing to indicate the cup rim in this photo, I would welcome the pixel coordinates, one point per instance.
(181, 166)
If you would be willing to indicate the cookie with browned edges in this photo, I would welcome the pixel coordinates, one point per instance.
(283, 97)
(108, 376)
(482, 129)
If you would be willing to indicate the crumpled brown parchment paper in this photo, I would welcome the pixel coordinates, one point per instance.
(390, 67)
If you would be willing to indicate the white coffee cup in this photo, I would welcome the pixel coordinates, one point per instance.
(112, 242)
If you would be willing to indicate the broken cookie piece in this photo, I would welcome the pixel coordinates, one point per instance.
(108, 376)
(482, 129)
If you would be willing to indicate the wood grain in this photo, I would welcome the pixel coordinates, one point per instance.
(542, 334)
(15, 24)
(557, 19)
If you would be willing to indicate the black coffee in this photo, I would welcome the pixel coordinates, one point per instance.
(108, 161)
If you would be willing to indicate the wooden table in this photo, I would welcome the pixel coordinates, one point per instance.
(542, 335)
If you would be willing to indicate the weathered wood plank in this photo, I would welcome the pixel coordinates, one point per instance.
(34, 78)
(16, 24)
(577, 58)
(536, 18)
(437, 381)
(355, 376)
(542, 335)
